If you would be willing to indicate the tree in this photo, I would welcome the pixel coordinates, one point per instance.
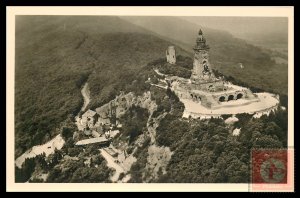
(64, 172)
(272, 128)
(53, 176)
(91, 175)
(135, 119)
(53, 159)
(66, 133)
(267, 142)
(74, 151)
(97, 159)
(154, 80)
(40, 160)
(170, 130)
(23, 174)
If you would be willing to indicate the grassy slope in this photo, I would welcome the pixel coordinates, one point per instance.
(225, 54)
(55, 55)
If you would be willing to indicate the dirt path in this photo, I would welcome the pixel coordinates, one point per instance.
(112, 164)
(86, 96)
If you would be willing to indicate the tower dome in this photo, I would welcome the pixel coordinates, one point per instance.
(200, 32)
(201, 42)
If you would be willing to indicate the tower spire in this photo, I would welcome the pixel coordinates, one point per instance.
(200, 32)
(201, 42)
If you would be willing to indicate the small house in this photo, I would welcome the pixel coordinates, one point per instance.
(89, 117)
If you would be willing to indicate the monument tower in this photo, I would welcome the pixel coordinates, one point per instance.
(205, 88)
(202, 77)
(201, 68)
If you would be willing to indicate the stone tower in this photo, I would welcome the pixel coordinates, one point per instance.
(171, 55)
(201, 67)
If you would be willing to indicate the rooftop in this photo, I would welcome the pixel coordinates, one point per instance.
(89, 113)
(91, 141)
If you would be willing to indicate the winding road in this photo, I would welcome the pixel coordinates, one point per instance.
(109, 159)
(86, 96)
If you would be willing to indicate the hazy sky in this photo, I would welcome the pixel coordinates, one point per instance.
(243, 26)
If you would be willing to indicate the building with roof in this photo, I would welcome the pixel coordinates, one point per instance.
(101, 140)
(89, 118)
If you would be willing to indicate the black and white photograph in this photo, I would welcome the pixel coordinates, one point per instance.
(163, 99)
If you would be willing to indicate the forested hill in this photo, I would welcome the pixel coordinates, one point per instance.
(55, 55)
(226, 52)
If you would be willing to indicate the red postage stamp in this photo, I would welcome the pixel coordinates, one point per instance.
(272, 170)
